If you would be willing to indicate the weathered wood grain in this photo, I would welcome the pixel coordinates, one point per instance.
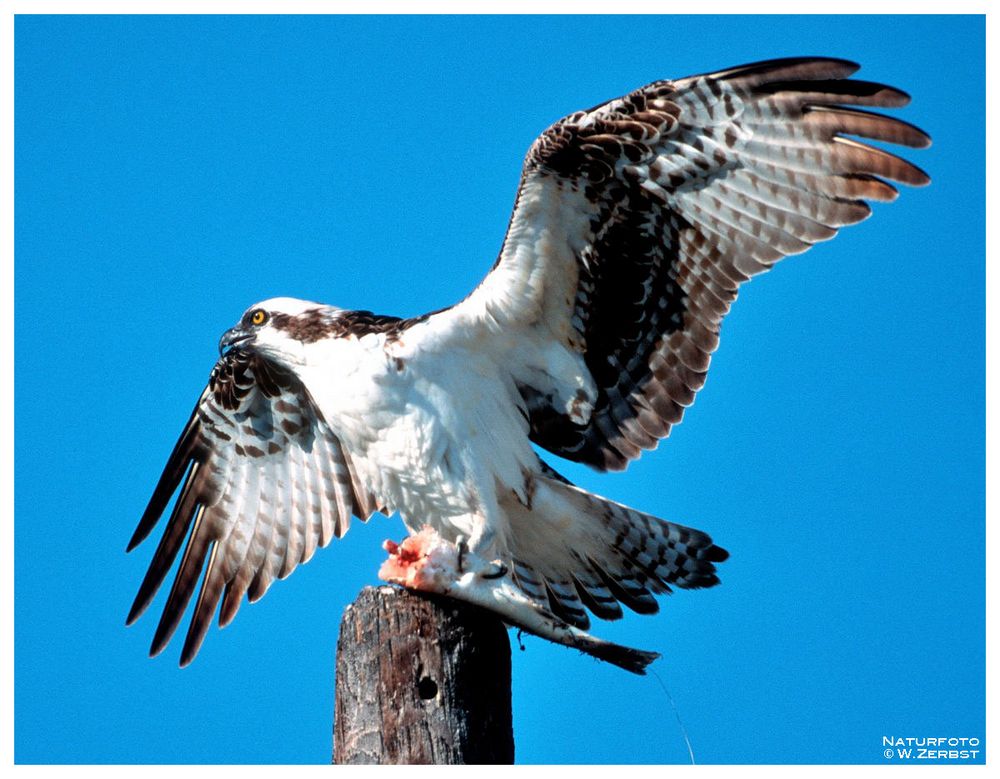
(421, 680)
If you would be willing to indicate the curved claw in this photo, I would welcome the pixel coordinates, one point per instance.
(499, 573)
(462, 545)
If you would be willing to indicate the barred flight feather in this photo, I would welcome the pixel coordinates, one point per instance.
(265, 482)
(689, 188)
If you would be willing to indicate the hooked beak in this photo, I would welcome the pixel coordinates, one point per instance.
(234, 336)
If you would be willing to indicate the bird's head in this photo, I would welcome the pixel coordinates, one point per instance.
(280, 328)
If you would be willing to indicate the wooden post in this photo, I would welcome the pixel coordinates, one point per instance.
(421, 679)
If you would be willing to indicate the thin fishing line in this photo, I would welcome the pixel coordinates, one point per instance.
(677, 714)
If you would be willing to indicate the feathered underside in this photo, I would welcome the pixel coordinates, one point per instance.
(637, 221)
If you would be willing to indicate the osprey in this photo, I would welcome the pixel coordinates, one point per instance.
(634, 225)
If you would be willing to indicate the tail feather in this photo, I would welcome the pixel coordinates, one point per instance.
(595, 595)
(632, 591)
(565, 604)
(578, 551)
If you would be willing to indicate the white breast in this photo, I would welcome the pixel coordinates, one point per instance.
(432, 432)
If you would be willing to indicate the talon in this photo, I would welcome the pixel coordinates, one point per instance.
(499, 573)
(463, 547)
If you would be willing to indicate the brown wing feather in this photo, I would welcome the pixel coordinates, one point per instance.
(265, 482)
(692, 187)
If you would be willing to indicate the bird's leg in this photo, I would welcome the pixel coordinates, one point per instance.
(464, 548)
(480, 544)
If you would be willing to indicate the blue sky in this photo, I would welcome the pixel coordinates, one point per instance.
(170, 171)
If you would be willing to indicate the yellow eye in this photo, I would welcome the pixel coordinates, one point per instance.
(258, 317)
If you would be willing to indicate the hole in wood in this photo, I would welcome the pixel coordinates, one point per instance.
(427, 688)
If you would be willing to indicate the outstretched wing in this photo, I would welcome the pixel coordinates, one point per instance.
(636, 222)
(265, 482)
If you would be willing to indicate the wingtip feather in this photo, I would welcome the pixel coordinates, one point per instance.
(790, 69)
